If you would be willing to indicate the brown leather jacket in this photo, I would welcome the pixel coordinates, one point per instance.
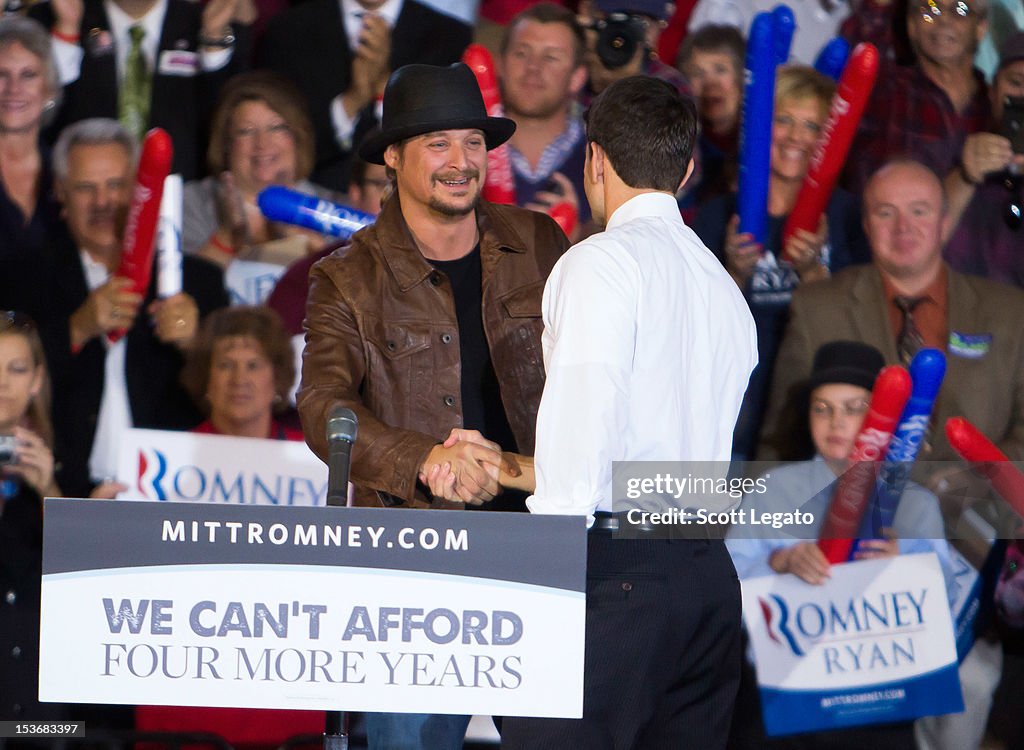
(382, 339)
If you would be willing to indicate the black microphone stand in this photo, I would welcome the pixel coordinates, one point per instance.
(336, 723)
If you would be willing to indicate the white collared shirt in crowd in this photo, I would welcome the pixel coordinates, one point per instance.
(69, 56)
(648, 347)
(115, 414)
(352, 16)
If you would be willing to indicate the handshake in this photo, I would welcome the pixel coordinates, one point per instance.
(469, 468)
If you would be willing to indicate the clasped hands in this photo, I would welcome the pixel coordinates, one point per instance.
(469, 468)
(806, 560)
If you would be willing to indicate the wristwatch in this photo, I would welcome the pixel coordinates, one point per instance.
(225, 40)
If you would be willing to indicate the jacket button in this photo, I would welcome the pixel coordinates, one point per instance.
(446, 338)
(391, 346)
(627, 586)
(10, 597)
(436, 278)
(449, 400)
(16, 652)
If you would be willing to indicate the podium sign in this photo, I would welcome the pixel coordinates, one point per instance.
(312, 608)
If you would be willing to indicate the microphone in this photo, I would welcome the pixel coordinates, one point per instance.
(342, 428)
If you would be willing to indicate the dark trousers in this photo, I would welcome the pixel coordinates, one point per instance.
(662, 659)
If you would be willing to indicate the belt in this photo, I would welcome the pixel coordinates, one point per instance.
(619, 525)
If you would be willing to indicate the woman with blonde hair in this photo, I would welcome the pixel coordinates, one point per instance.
(769, 273)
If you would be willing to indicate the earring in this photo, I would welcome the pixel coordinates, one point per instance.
(49, 104)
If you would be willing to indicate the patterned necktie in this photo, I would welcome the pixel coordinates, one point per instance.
(909, 340)
(133, 105)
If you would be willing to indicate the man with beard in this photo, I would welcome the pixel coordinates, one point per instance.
(925, 111)
(542, 74)
(430, 321)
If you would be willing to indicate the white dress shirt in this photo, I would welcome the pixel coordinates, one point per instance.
(115, 415)
(648, 347)
(352, 17)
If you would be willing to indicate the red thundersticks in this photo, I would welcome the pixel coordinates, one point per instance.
(144, 214)
(978, 450)
(857, 484)
(499, 187)
(847, 107)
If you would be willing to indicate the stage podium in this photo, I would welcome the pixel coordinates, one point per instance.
(197, 604)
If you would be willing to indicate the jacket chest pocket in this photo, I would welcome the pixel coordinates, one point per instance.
(525, 327)
(398, 365)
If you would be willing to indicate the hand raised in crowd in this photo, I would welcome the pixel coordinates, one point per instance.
(742, 252)
(68, 15)
(464, 470)
(986, 153)
(565, 192)
(238, 224)
(874, 549)
(109, 307)
(804, 560)
(175, 319)
(370, 64)
(217, 16)
(804, 249)
(34, 462)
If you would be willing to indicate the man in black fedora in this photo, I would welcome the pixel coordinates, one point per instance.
(431, 321)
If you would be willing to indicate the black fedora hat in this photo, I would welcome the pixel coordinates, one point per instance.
(852, 362)
(423, 98)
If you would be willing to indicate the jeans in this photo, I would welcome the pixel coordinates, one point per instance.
(415, 731)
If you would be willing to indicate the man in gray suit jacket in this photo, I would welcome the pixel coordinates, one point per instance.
(977, 323)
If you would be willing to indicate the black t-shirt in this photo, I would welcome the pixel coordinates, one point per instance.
(482, 408)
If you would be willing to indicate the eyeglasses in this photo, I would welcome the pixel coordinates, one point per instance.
(850, 409)
(271, 131)
(12, 320)
(932, 11)
(788, 121)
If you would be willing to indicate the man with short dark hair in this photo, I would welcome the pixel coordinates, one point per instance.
(648, 346)
(430, 321)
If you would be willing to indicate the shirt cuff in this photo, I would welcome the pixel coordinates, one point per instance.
(537, 506)
(69, 59)
(344, 126)
(212, 60)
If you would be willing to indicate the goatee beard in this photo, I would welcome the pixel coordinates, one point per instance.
(446, 209)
